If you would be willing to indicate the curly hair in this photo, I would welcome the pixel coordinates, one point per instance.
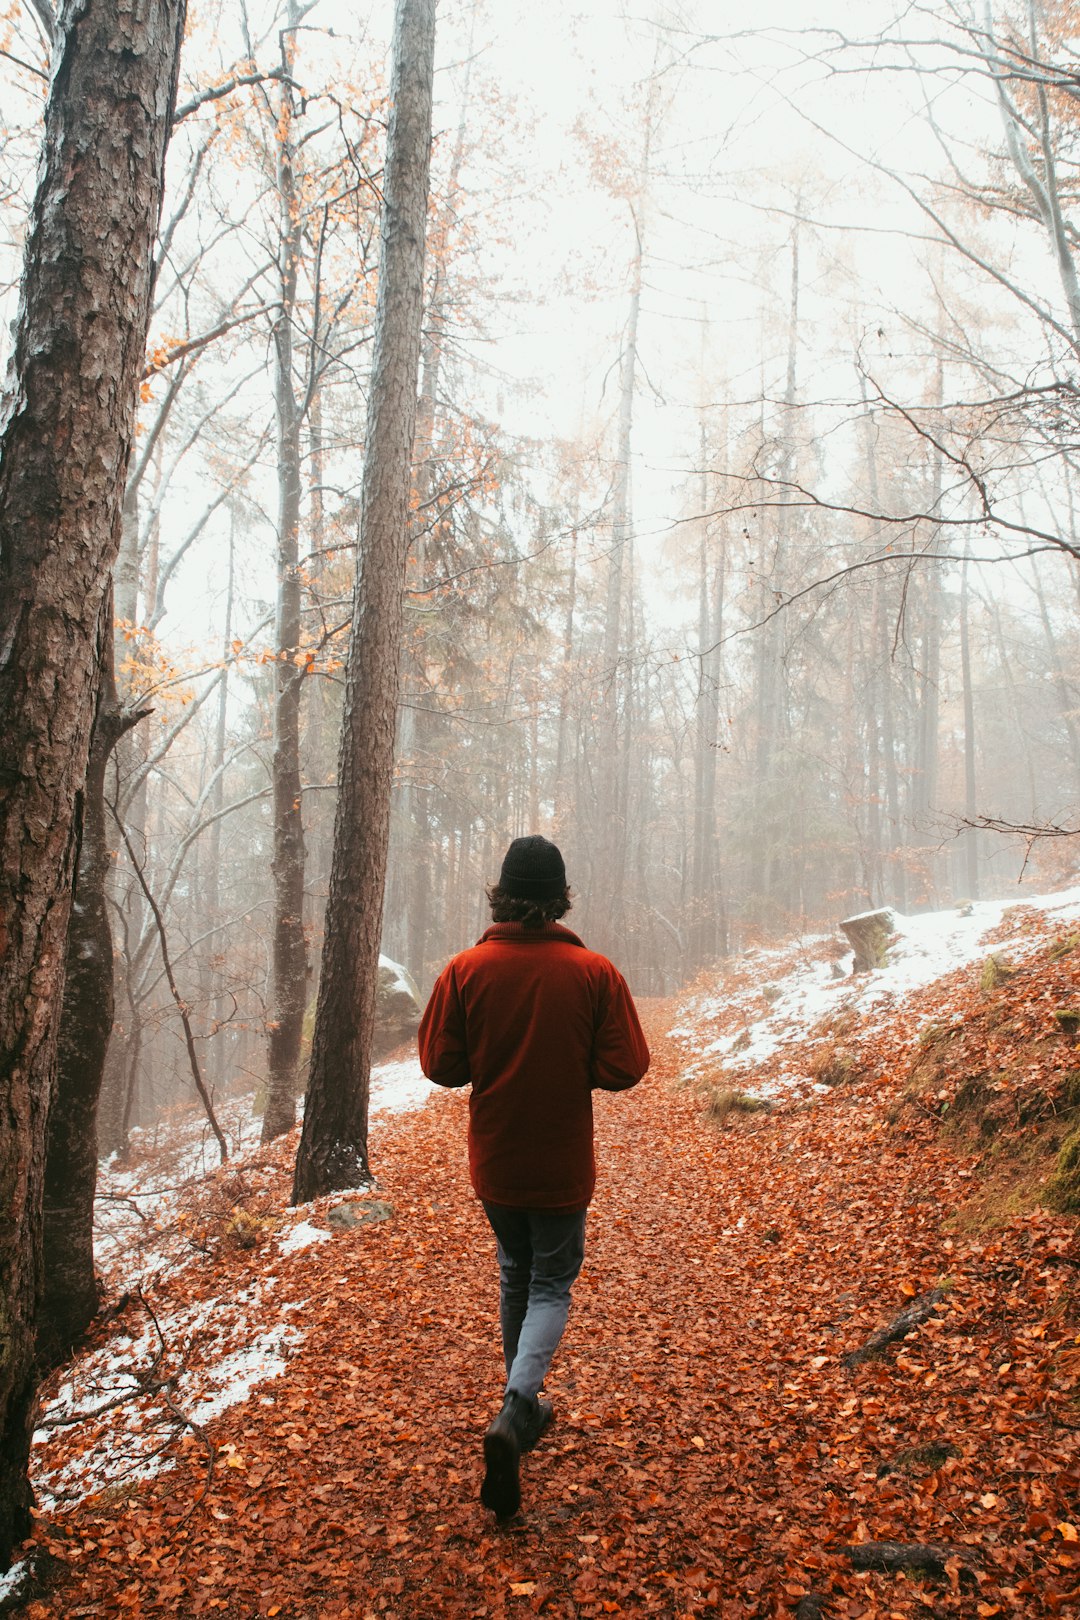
(532, 913)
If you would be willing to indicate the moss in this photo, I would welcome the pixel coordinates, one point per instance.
(243, 1230)
(931, 1035)
(1067, 1019)
(834, 1066)
(1070, 1089)
(1063, 947)
(1063, 1188)
(973, 1093)
(996, 971)
(723, 1103)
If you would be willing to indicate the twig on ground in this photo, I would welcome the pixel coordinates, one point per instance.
(919, 1311)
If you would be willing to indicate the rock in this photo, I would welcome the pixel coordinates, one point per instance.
(919, 1460)
(346, 1216)
(811, 1607)
(996, 971)
(870, 934)
(397, 1008)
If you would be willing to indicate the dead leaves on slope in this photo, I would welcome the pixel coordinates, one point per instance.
(711, 1455)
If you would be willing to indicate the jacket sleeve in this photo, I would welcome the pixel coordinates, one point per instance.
(619, 1056)
(441, 1036)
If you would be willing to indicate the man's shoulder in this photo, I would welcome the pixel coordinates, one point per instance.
(555, 943)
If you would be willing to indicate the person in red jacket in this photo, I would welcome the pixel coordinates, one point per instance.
(534, 1022)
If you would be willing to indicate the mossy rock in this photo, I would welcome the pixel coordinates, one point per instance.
(1067, 1019)
(1063, 947)
(1063, 1188)
(723, 1103)
(996, 971)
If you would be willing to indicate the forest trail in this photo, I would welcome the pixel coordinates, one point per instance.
(710, 1453)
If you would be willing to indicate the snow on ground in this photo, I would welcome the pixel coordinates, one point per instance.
(396, 1087)
(180, 1356)
(135, 1200)
(302, 1236)
(127, 1397)
(12, 1583)
(773, 999)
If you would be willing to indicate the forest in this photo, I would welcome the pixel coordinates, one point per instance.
(651, 426)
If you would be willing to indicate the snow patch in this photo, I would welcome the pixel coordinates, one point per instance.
(396, 1087)
(128, 1396)
(12, 1583)
(302, 1236)
(802, 993)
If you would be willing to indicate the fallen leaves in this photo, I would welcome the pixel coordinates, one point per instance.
(710, 1455)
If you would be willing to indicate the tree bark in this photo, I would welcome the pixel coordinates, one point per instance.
(70, 1296)
(64, 447)
(772, 845)
(611, 814)
(333, 1146)
(290, 963)
(970, 834)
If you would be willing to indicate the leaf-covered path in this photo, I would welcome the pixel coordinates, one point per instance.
(711, 1454)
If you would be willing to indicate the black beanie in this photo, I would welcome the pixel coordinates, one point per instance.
(532, 869)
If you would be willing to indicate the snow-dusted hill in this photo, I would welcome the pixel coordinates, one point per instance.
(753, 1022)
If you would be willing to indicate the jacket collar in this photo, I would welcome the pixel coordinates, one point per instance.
(544, 935)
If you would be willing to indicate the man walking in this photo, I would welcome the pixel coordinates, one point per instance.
(535, 1022)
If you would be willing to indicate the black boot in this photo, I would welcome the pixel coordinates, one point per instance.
(538, 1421)
(503, 1444)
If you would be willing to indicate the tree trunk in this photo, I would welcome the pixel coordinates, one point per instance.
(611, 827)
(333, 1146)
(290, 963)
(771, 794)
(928, 718)
(215, 945)
(708, 929)
(70, 1297)
(970, 836)
(79, 343)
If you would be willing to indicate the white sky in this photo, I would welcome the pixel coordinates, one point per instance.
(730, 158)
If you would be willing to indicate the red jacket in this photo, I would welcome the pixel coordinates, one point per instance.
(535, 1022)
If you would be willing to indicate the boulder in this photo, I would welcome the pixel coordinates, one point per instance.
(346, 1216)
(397, 1008)
(870, 934)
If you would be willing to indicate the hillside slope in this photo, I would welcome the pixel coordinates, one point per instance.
(714, 1452)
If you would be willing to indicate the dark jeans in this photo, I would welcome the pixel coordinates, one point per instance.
(540, 1255)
